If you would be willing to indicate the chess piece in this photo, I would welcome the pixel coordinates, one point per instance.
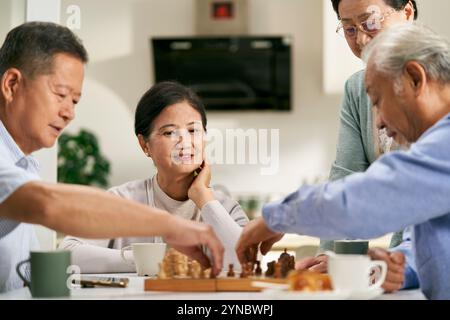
(177, 265)
(287, 263)
(277, 274)
(189, 269)
(162, 274)
(207, 273)
(230, 273)
(284, 255)
(258, 270)
(270, 269)
(196, 270)
(243, 273)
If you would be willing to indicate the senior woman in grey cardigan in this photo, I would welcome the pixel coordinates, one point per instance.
(360, 143)
(170, 124)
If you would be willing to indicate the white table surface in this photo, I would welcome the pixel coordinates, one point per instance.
(135, 291)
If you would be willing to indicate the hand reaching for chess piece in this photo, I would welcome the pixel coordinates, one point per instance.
(188, 237)
(255, 234)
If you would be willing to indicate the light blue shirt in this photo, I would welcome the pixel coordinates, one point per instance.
(401, 189)
(16, 239)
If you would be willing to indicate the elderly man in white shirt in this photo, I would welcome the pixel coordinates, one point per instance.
(41, 73)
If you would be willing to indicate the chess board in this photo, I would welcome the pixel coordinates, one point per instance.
(208, 285)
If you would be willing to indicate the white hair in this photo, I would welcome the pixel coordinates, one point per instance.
(394, 48)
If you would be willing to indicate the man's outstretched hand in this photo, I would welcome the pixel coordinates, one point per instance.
(255, 234)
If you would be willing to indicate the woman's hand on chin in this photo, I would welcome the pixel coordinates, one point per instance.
(199, 191)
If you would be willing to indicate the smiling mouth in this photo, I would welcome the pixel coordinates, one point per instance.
(186, 156)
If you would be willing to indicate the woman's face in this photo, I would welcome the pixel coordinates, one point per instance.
(378, 15)
(176, 143)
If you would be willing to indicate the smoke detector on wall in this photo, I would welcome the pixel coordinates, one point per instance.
(221, 17)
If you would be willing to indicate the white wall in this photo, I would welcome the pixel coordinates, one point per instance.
(12, 13)
(5, 18)
(116, 34)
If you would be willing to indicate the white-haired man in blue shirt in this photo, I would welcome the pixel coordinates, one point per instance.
(408, 81)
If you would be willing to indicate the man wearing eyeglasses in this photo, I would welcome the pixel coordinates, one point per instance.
(360, 143)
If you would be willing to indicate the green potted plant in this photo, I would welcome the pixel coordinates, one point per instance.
(80, 160)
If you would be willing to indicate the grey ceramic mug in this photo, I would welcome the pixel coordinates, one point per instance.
(351, 247)
(48, 273)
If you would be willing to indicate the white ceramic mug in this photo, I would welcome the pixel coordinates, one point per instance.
(147, 256)
(352, 272)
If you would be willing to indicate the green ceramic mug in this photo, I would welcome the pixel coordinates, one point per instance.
(351, 246)
(48, 273)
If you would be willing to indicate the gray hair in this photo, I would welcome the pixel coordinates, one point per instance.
(392, 49)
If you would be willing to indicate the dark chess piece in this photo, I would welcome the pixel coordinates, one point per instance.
(284, 255)
(287, 263)
(258, 270)
(230, 273)
(243, 273)
(270, 269)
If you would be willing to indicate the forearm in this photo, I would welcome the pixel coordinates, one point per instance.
(95, 259)
(83, 211)
(227, 230)
(399, 190)
(214, 214)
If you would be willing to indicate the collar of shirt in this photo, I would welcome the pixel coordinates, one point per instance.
(16, 155)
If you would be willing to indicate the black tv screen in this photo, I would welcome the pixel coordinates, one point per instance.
(229, 73)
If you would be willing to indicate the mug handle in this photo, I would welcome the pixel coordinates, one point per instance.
(122, 254)
(382, 277)
(21, 276)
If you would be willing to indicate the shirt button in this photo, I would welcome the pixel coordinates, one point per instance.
(23, 163)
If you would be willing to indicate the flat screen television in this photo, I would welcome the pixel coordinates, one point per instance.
(229, 73)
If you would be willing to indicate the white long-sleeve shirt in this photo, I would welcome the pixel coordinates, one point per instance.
(103, 256)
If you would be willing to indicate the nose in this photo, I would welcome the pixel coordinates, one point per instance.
(379, 122)
(184, 138)
(362, 39)
(68, 111)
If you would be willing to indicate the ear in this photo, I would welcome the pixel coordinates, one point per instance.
(415, 77)
(144, 146)
(10, 83)
(409, 11)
